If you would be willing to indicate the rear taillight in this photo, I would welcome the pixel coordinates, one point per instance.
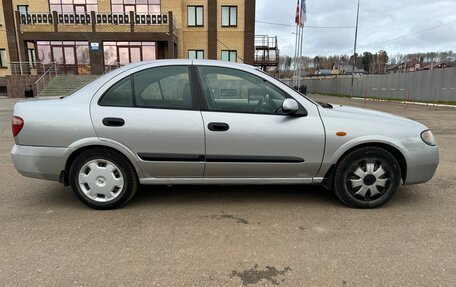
(17, 125)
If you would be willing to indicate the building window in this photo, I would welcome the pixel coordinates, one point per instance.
(196, 54)
(122, 53)
(73, 6)
(195, 16)
(229, 55)
(229, 16)
(3, 58)
(72, 56)
(23, 9)
(137, 6)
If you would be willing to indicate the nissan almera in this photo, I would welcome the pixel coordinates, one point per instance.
(210, 122)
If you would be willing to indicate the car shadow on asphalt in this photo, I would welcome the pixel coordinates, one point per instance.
(251, 194)
(156, 195)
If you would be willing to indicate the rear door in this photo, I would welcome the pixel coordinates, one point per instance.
(246, 133)
(152, 113)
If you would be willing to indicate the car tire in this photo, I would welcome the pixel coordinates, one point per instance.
(367, 177)
(103, 179)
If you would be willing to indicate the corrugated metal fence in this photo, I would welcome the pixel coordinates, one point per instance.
(438, 84)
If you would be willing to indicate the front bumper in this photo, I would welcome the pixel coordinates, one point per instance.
(39, 162)
(421, 164)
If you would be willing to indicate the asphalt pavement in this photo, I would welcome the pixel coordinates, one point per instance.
(232, 235)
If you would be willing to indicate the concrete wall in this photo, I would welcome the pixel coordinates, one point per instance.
(16, 85)
(420, 86)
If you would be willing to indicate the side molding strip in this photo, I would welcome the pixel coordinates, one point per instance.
(218, 158)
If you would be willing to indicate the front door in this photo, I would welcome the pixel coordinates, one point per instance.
(248, 136)
(66, 57)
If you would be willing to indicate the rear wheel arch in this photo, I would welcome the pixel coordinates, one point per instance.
(64, 177)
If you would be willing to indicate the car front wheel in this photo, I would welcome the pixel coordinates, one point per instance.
(103, 179)
(367, 177)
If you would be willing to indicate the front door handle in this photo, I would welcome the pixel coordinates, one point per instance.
(113, 122)
(218, 127)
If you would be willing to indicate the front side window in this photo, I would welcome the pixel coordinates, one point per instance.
(3, 58)
(164, 87)
(196, 54)
(229, 55)
(195, 16)
(230, 90)
(229, 16)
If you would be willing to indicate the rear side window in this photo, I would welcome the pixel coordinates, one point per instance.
(163, 87)
(119, 95)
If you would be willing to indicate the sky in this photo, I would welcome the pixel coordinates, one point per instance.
(396, 26)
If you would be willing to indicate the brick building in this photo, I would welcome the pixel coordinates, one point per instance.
(87, 36)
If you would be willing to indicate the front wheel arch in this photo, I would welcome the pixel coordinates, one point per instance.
(329, 176)
(367, 177)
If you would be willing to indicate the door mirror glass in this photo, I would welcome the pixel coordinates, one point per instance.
(290, 106)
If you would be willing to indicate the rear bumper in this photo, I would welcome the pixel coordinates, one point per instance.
(39, 162)
(422, 164)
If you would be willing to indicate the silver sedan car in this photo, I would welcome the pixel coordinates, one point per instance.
(211, 122)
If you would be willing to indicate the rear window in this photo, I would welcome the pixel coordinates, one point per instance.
(119, 95)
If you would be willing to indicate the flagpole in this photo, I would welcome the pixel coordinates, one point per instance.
(302, 20)
(300, 56)
(297, 21)
(298, 60)
(295, 57)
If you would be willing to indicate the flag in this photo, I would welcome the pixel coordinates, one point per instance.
(302, 17)
(297, 14)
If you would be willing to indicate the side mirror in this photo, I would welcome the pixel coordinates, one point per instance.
(290, 106)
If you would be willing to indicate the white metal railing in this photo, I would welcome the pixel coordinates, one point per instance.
(46, 78)
(28, 68)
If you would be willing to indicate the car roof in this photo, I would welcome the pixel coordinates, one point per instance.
(164, 62)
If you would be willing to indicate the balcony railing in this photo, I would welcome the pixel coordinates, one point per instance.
(74, 18)
(114, 19)
(100, 18)
(272, 60)
(36, 18)
(265, 42)
(151, 19)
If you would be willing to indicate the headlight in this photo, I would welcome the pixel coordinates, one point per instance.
(428, 138)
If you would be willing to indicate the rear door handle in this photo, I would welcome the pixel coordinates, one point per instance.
(113, 122)
(218, 127)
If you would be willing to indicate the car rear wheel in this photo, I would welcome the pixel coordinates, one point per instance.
(367, 177)
(103, 179)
